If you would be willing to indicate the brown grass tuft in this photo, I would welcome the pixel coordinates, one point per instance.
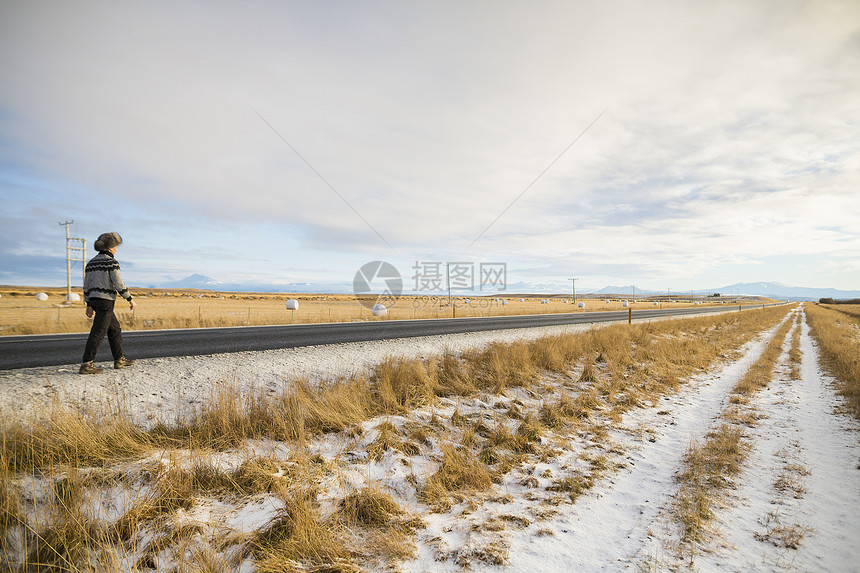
(399, 384)
(69, 438)
(455, 376)
(760, 373)
(459, 471)
(298, 540)
(500, 366)
(555, 353)
(370, 507)
(574, 485)
(708, 469)
(588, 374)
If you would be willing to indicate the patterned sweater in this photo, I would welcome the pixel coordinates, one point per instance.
(102, 279)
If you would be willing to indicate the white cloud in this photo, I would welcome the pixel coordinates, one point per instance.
(730, 131)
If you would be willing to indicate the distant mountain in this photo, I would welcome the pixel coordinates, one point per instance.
(766, 289)
(781, 291)
(198, 281)
(627, 290)
(195, 281)
(528, 288)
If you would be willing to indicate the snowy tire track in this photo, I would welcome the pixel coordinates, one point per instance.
(802, 479)
(612, 529)
(796, 507)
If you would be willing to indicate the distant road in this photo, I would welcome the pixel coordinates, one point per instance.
(55, 349)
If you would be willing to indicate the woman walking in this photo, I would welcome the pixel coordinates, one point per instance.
(102, 282)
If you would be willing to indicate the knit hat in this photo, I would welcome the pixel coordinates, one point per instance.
(107, 241)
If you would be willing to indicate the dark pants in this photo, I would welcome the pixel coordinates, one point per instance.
(104, 322)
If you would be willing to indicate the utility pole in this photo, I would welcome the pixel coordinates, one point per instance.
(448, 278)
(573, 283)
(74, 244)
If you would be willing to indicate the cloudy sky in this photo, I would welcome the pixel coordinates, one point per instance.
(670, 145)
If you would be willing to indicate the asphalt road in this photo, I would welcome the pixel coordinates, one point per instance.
(55, 349)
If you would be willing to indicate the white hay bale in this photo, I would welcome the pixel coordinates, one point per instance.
(625, 304)
(504, 302)
(42, 296)
(292, 304)
(379, 310)
(580, 304)
(74, 297)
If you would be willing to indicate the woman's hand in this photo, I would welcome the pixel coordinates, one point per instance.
(89, 311)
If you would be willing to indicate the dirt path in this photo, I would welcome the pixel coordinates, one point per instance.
(607, 531)
(796, 507)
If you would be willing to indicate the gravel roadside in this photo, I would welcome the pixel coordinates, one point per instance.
(164, 388)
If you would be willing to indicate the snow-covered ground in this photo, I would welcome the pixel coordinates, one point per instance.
(802, 475)
(802, 478)
(612, 528)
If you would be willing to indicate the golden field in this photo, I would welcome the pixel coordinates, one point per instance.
(852, 309)
(22, 313)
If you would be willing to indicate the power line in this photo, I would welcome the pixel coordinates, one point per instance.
(535, 180)
(318, 174)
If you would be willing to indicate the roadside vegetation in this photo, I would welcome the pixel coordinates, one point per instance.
(838, 335)
(94, 491)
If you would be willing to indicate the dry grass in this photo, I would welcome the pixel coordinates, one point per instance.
(299, 540)
(795, 355)
(601, 373)
(399, 385)
(760, 373)
(384, 524)
(707, 470)
(838, 337)
(387, 439)
(21, 313)
(574, 485)
(370, 507)
(849, 309)
(69, 438)
(460, 471)
(11, 515)
(779, 534)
